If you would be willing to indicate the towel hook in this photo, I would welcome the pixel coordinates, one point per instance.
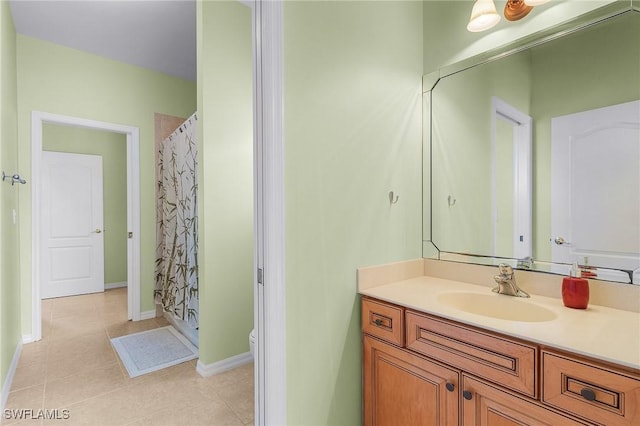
(393, 199)
(14, 178)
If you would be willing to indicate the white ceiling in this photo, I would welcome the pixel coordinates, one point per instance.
(154, 34)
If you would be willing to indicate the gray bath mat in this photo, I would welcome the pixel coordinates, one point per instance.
(152, 350)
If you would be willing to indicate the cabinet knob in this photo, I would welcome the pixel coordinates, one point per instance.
(450, 387)
(378, 322)
(467, 395)
(588, 394)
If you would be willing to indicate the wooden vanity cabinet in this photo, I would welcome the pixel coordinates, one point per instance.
(421, 369)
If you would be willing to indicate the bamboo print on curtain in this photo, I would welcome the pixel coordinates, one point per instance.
(176, 287)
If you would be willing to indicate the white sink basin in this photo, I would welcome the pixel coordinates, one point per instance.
(497, 306)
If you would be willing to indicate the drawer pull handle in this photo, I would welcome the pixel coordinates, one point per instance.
(450, 387)
(467, 395)
(588, 394)
(378, 322)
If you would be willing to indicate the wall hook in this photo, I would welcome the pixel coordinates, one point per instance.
(15, 178)
(451, 200)
(393, 198)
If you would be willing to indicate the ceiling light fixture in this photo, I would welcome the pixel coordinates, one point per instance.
(485, 16)
(514, 10)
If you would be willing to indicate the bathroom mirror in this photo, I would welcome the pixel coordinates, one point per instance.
(534, 155)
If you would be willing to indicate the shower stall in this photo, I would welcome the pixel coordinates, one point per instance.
(176, 275)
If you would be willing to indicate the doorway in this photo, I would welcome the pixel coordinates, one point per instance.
(511, 176)
(38, 120)
(83, 211)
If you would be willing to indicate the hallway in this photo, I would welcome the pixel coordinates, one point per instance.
(75, 368)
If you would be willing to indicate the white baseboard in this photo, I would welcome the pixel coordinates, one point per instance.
(224, 365)
(27, 338)
(6, 386)
(147, 315)
(110, 286)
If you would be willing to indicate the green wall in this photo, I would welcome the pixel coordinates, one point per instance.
(112, 147)
(10, 334)
(352, 79)
(225, 192)
(60, 80)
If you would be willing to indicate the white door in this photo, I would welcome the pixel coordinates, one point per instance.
(595, 188)
(71, 222)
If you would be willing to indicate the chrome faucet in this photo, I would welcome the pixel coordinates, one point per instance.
(507, 282)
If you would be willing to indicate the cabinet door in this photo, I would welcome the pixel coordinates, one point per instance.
(404, 389)
(484, 404)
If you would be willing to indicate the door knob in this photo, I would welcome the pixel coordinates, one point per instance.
(98, 231)
(560, 241)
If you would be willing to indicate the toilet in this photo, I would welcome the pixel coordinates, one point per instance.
(252, 342)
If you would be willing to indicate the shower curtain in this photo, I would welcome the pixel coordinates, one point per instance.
(176, 278)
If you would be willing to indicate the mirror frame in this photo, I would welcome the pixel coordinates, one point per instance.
(429, 81)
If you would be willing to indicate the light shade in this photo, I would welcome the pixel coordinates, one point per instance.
(535, 2)
(514, 10)
(483, 16)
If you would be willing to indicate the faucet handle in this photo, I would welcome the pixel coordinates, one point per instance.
(505, 270)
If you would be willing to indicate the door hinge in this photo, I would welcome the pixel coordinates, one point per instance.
(260, 281)
(130, 235)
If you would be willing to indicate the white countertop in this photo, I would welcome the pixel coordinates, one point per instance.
(599, 332)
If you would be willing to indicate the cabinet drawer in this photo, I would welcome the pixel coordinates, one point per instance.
(593, 392)
(499, 359)
(383, 320)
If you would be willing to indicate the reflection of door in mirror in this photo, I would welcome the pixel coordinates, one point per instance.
(596, 187)
(511, 181)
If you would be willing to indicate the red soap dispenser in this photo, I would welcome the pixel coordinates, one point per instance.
(575, 290)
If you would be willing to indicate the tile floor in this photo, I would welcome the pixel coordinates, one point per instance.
(75, 368)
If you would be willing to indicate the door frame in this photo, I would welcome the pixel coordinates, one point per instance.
(38, 119)
(270, 294)
(522, 174)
